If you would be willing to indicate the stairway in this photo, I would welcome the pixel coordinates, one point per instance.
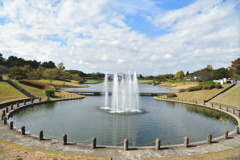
(20, 89)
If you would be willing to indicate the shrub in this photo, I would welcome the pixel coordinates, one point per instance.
(49, 92)
(171, 95)
(36, 84)
(206, 82)
(218, 86)
(182, 90)
(1, 78)
(194, 88)
(229, 82)
(208, 86)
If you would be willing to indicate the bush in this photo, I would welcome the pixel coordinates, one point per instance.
(218, 86)
(1, 78)
(36, 84)
(206, 82)
(208, 86)
(49, 92)
(195, 88)
(229, 82)
(182, 90)
(171, 95)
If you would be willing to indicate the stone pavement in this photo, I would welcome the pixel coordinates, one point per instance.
(118, 153)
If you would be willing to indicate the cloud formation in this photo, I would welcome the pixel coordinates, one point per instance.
(110, 36)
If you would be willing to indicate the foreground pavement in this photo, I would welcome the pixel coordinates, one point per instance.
(118, 153)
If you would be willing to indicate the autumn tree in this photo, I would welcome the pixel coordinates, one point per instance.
(179, 75)
(51, 74)
(235, 69)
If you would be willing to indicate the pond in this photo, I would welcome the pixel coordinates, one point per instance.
(83, 119)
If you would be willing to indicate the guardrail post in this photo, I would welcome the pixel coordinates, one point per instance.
(158, 142)
(24, 102)
(203, 102)
(11, 125)
(4, 112)
(209, 138)
(2, 116)
(17, 104)
(238, 112)
(220, 106)
(212, 104)
(186, 141)
(226, 134)
(7, 110)
(40, 99)
(94, 143)
(32, 100)
(11, 106)
(41, 135)
(23, 130)
(125, 144)
(64, 139)
(5, 120)
(226, 108)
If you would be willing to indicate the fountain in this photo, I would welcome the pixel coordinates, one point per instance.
(125, 95)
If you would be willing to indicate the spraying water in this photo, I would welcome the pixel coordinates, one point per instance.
(125, 95)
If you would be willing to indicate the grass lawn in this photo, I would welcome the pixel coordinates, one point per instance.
(9, 93)
(179, 85)
(39, 92)
(58, 83)
(145, 81)
(232, 98)
(201, 94)
(92, 81)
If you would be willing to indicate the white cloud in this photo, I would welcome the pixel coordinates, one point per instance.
(94, 35)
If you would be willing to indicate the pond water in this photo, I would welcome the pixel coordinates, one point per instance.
(82, 119)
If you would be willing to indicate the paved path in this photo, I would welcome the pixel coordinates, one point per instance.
(117, 153)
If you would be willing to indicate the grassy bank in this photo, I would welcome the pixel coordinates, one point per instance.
(39, 92)
(232, 98)
(58, 83)
(9, 93)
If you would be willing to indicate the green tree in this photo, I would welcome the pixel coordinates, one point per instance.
(51, 74)
(235, 69)
(48, 64)
(76, 77)
(15, 72)
(179, 75)
(61, 66)
(220, 73)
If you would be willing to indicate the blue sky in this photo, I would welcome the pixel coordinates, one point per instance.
(150, 36)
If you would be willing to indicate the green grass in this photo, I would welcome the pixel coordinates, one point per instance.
(232, 98)
(145, 81)
(201, 94)
(206, 82)
(91, 81)
(39, 92)
(9, 93)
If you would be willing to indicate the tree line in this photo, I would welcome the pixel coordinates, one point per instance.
(206, 74)
(19, 68)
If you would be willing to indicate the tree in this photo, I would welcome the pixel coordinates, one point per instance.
(48, 64)
(16, 72)
(235, 69)
(76, 77)
(220, 73)
(51, 74)
(204, 74)
(2, 60)
(61, 66)
(179, 75)
(4, 69)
